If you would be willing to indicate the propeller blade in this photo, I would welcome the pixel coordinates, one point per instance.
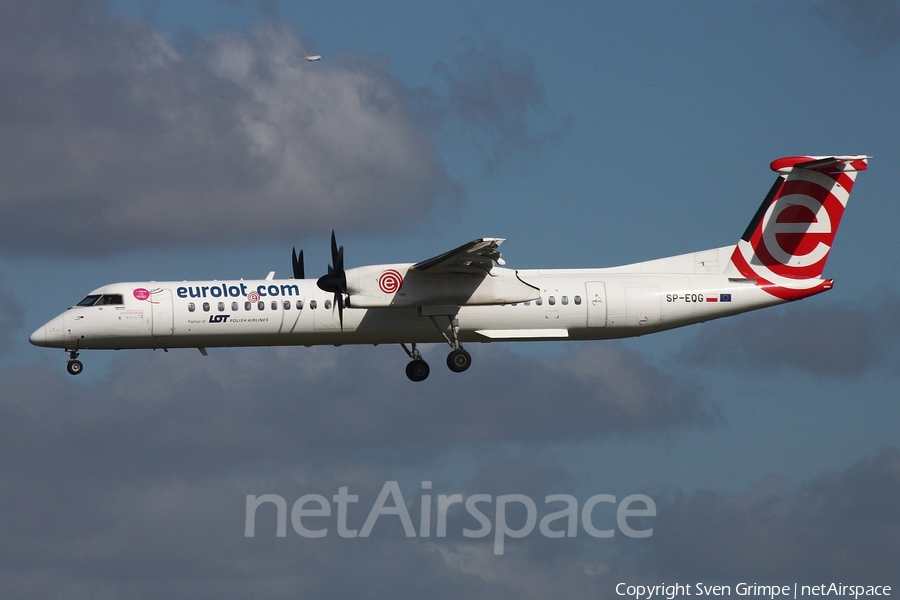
(334, 250)
(339, 301)
(337, 256)
(297, 263)
(335, 280)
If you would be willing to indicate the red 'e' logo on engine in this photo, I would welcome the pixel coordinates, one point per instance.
(390, 281)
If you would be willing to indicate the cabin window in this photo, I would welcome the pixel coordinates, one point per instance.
(578, 300)
(261, 305)
(191, 307)
(234, 306)
(564, 300)
(539, 301)
(551, 300)
(221, 307)
(206, 307)
(312, 304)
(328, 304)
(274, 304)
(528, 303)
(299, 304)
(248, 305)
(287, 305)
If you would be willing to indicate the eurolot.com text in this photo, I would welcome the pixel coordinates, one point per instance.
(313, 515)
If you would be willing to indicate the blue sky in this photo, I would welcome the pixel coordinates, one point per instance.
(178, 140)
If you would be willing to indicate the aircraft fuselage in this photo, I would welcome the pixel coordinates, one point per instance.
(584, 304)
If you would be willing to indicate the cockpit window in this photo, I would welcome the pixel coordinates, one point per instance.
(102, 300)
(89, 300)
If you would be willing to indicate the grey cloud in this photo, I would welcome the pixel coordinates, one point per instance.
(167, 535)
(840, 526)
(12, 317)
(873, 26)
(258, 403)
(497, 98)
(135, 484)
(841, 341)
(111, 138)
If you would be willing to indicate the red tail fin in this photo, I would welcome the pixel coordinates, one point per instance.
(786, 245)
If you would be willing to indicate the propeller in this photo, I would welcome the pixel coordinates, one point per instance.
(335, 281)
(297, 263)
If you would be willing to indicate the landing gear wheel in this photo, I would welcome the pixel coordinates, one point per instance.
(459, 360)
(417, 370)
(74, 367)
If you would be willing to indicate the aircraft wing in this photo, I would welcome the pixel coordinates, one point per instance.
(477, 257)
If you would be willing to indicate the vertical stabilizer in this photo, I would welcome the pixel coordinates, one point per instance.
(787, 243)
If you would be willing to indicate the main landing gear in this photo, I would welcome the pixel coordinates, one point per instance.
(417, 369)
(74, 366)
(457, 361)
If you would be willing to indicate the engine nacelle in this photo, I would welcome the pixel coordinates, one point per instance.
(382, 286)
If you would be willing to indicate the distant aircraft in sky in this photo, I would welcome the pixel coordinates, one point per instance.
(466, 295)
(312, 58)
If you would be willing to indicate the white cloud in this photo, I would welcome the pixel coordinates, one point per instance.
(111, 138)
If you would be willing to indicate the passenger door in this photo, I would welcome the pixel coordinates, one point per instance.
(596, 303)
(163, 313)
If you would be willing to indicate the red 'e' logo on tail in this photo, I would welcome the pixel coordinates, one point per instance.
(786, 246)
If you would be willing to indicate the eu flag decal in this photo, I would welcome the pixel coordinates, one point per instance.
(724, 297)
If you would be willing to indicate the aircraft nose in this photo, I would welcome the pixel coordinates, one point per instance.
(51, 335)
(39, 337)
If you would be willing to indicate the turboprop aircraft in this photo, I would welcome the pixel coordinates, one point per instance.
(466, 295)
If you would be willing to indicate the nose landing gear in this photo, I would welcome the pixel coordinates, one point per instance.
(74, 366)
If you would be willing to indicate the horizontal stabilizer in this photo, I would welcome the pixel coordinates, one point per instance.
(856, 162)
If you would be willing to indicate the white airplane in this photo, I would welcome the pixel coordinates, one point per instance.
(312, 58)
(465, 295)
